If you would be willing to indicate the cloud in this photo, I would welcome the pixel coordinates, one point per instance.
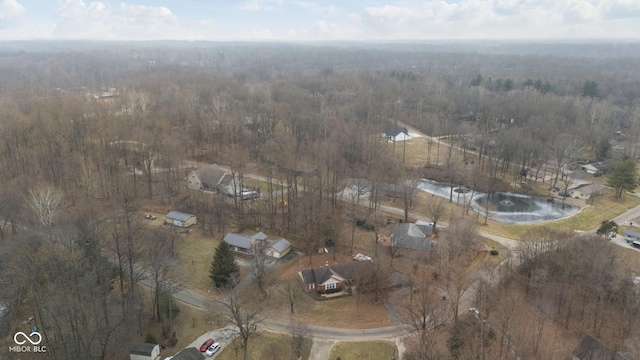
(77, 19)
(10, 9)
(621, 9)
(578, 11)
(262, 5)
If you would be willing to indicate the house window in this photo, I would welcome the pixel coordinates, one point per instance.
(330, 286)
(311, 286)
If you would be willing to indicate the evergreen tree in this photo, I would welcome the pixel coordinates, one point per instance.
(224, 268)
(589, 89)
(623, 177)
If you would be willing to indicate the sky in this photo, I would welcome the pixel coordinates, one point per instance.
(319, 20)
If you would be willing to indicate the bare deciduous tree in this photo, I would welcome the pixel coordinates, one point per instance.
(45, 200)
(243, 311)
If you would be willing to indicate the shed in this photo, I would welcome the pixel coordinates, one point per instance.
(144, 351)
(189, 354)
(181, 219)
(278, 248)
(239, 243)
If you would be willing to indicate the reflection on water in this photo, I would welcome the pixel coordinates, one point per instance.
(504, 207)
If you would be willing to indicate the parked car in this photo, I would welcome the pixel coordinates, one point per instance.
(212, 349)
(150, 217)
(205, 346)
(636, 244)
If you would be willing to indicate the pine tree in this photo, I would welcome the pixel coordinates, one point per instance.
(623, 177)
(224, 268)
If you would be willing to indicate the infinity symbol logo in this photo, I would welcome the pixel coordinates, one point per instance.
(27, 338)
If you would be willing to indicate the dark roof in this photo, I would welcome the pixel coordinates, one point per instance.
(396, 131)
(142, 349)
(592, 349)
(210, 175)
(425, 227)
(409, 236)
(321, 274)
(189, 354)
(238, 240)
(177, 215)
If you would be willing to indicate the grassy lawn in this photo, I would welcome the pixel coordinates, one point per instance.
(266, 346)
(259, 184)
(370, 350)
(195, 252)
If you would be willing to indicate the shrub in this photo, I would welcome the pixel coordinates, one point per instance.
(494, 252)
(150, 339)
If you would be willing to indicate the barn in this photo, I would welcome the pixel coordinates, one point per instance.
(180, 219)
(144, 351)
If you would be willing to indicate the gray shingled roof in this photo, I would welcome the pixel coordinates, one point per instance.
(259, 236)
(396, 131)
(238, 240)
(142, 349)
(632, 233)
(592, 349)
(321, 274)
(409, 236)
(280, 245)
(189, 354)
(177, 215)
(210, 175)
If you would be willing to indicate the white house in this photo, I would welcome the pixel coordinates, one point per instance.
(144, 351)
(397, 134)
(586, 191)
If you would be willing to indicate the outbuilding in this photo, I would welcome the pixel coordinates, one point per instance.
(144, 351)
(180, 219)
(278, 248)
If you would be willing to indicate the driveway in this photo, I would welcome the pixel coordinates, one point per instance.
(223, 336)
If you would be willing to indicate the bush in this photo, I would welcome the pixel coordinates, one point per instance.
(494, 252)
(150, 339)
(330, 291)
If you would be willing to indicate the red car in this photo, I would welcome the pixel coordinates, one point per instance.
(206, 345)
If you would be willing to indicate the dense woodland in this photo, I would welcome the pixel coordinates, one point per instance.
(76, 165)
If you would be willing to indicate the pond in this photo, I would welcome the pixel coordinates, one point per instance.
(505, 207)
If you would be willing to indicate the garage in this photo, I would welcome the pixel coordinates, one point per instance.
(180, 219)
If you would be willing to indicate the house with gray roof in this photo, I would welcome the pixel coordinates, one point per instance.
(587, 191)
(239, 243)
(278, 248)
(397, 134)
(408, 240)
(210, 178)
(328, 278)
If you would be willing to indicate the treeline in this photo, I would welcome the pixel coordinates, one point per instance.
(309, 117)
